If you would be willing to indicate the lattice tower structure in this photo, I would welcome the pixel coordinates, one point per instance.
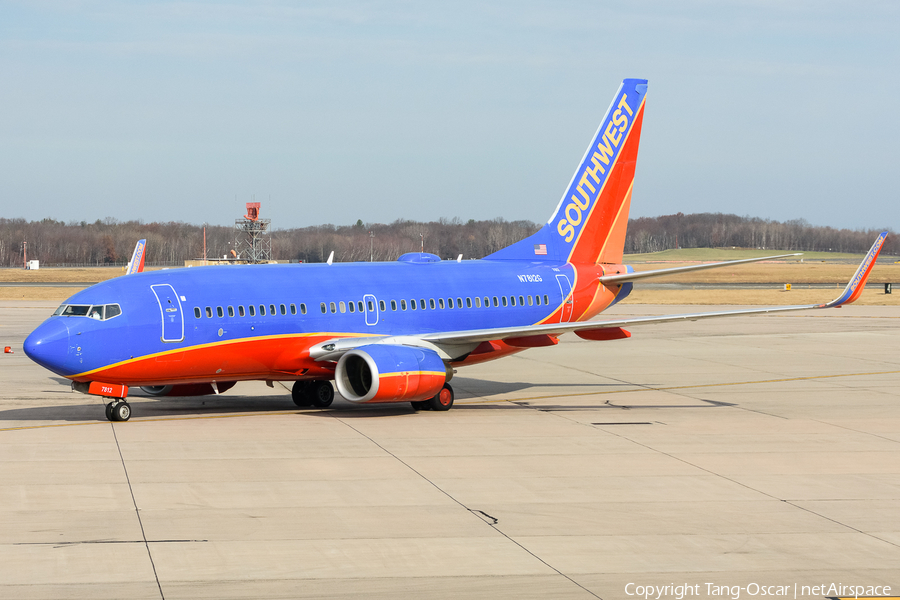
(252, 241)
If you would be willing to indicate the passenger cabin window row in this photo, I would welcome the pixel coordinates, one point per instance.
(467, 302)
(272, 309)
(354, 306)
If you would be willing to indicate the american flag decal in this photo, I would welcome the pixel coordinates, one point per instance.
(540, 249)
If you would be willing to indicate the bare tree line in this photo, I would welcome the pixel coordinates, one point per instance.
(717, 230)
(110, 242)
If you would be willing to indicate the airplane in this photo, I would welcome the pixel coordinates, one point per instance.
(383, 332)
(136, 264)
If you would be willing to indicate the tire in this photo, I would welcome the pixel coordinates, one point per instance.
(300, 394)
(157, 390)
(321, 394)
(421, 405)
(109, 412)
(122, 411)
(443, 400)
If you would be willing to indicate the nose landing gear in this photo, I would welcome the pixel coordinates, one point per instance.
(118, 410)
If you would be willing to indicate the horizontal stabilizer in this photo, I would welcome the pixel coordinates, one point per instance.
(616, 279)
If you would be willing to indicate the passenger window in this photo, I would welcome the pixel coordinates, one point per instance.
(262, 310)
(359, 306)
(497, 302)
(530, 300)
(537, 300)
(503, 299)
(220, 312)
(431, 303)
(293, 309)
(324, 309)
(352, 306)
(512, 301)
(208, 312)
(468, 302)
(241, 310)
(197, 311)
(459, 303)
(113, 310)
(333, 307)
(272, 310)
(402, 304)
(342, 306)
(371, 306)
(302, 308)
(477, 301)
(521, 300)
(252, 310)
(381, 305)
(413, 304)
(393, 305)
(441, 302)
(546, 299)
(449, 302)
(422, 304)
(283, 309)
(230, 311)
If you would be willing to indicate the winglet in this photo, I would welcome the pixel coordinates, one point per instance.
(858, 282)
(136, 264)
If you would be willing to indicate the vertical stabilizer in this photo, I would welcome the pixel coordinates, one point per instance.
(136, 264)
(589, 223)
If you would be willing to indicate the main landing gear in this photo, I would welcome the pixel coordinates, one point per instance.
(319, 394)
(443, 400)
(118, 410)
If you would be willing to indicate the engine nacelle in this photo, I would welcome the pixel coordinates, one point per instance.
(385, 373)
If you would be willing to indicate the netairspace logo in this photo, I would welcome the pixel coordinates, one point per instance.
(754, 590)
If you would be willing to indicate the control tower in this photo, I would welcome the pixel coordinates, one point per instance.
(251, 238)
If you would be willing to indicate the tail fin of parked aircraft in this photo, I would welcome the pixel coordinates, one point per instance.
(136, 264)
(589, 223)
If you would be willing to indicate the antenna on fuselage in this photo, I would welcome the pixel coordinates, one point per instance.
(330, 257)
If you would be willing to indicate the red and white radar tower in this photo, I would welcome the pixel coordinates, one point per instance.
(252, 242)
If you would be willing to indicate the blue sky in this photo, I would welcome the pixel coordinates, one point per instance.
(332, 112)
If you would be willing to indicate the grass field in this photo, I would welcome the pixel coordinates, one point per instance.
(715, 254)
(776, 273)
(774, 297)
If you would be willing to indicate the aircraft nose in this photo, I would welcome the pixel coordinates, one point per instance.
(48, 345)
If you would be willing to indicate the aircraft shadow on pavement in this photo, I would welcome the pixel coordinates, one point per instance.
(228, 404)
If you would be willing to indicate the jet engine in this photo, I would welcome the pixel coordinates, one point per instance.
(386, 373)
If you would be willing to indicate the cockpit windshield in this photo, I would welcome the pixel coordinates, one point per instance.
(101, 312)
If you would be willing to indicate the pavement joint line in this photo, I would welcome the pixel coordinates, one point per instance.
(137, 511)
(517, 400)
(881, 437)
(686, 387)
(480, 515)
(729, 479)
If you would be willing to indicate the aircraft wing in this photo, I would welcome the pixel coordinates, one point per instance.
(456, 343)
(851, 292)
